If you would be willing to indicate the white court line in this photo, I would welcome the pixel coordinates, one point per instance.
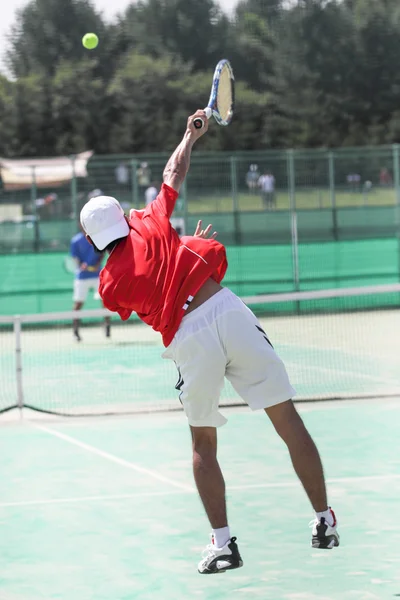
(90, 498)
(351, 480)
(261, 486)
(112, 458)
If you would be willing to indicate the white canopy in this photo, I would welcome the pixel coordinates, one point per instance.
(22, 173)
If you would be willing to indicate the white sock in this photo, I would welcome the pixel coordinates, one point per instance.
(328, 516)
(221, 536)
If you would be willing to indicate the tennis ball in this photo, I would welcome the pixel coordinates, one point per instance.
(90, 41)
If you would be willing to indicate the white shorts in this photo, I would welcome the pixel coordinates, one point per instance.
(223, 338)
(82, 287)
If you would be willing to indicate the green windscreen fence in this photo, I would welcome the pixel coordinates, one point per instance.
(35, 283)
(242, 227)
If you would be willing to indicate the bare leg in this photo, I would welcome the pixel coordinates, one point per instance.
(208, 476)
(107, 325)
(77, 306)
(303, 452)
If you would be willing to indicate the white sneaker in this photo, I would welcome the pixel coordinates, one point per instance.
(325, 536)
(219, 560)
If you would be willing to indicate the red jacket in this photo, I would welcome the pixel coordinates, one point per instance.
(154, 273)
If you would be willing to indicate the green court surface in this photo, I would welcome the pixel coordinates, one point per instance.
(102, 509)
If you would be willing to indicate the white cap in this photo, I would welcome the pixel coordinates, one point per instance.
(103, 219)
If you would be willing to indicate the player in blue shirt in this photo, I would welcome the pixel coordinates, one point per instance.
(88, 263)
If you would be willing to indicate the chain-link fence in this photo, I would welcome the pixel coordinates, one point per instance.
(292, 220)
(251, 198)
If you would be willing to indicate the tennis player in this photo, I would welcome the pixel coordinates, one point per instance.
(174, 286)
(88, 263)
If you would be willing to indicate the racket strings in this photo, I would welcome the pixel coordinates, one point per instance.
(224, 97)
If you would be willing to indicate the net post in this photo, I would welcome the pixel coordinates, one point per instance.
(18, 364)
(396, 173)
(235, 200)
(332, 191)
(293, 218)
(134, 186)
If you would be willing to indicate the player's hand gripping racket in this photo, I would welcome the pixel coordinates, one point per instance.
(222, 98)
(71, 266)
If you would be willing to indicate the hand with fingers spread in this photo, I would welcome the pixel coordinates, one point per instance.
(204, 233)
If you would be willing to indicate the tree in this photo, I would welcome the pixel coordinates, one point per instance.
(308, 73)
(194, 31)
(7, 117)
(30, 116)
(377, 26)
(145, 103)
(252, 51)
(78, 108)
(265, 9)
(315, 70)
(49, 31)
(150, 100)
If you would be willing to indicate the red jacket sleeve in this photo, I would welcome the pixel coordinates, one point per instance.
(164, 204)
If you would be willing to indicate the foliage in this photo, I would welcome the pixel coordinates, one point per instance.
(309, 73)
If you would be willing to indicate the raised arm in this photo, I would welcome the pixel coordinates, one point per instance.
(179, 163)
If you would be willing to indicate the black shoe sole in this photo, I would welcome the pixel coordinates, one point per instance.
(208, 572)
(325, 543)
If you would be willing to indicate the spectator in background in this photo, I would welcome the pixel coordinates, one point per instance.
(385, 178)
(267, 185)
(143, 178)
(151, 194)
(354, 181)
(94, 193)
(46, 206)
(252, 178)
(122, 175)
(88, 267)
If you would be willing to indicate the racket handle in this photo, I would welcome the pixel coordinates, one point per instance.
(199, 122)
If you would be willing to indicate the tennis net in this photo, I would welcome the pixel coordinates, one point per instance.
(336, 344)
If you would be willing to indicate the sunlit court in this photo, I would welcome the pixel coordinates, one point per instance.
(103, 506)
(106, 508)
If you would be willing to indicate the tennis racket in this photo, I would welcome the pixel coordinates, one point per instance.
(71, 266)
(222, 99)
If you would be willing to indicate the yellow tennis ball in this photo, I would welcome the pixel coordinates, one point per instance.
(90, 41)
